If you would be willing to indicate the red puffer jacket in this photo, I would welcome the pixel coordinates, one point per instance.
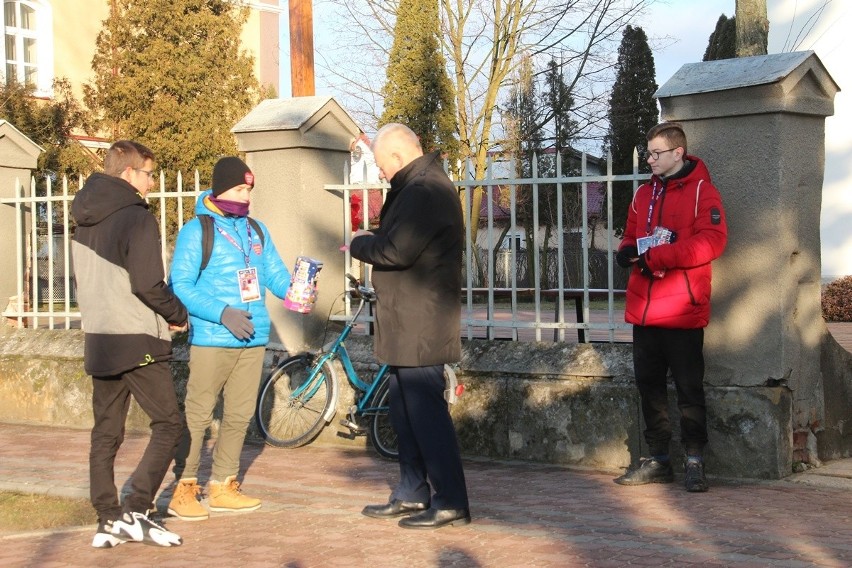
(691, 207)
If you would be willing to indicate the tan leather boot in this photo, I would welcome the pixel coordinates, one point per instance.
(184, 504)
(226, 496)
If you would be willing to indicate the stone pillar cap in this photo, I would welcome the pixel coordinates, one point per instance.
(795, 82)
(17, 150)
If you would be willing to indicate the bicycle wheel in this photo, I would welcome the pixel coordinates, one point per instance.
(382, 435)
(290, 409)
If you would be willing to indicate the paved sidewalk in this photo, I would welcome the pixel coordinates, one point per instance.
(524, 515)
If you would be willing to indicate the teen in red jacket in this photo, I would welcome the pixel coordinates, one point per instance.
(675, 228)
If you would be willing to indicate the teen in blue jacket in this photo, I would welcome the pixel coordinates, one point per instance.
(229, 329)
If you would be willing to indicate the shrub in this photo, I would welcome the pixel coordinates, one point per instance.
(837, 300)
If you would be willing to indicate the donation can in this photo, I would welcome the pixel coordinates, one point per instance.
(301, 295)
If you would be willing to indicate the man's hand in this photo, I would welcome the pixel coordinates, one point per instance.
(238, 322)
(179, 327)
(361, 233)
(627, 256)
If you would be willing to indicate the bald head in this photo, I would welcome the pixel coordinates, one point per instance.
(394, 147)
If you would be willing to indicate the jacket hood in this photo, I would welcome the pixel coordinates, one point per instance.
(101, 196)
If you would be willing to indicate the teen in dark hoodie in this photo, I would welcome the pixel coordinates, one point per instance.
(128, 313)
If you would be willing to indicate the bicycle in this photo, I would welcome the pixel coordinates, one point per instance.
(299, 397)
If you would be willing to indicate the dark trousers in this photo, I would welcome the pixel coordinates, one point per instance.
(153, 388)
(428, 448)
(655, 351)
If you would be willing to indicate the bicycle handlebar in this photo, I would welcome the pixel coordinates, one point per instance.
(360, 291)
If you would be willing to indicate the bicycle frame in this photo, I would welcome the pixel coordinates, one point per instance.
(337, 350)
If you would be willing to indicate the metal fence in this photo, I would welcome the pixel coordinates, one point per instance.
(510, 292)
(46, 294)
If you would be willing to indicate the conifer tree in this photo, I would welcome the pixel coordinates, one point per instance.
(722, 43)
(632, 112)
(418, 92)
(171, 74)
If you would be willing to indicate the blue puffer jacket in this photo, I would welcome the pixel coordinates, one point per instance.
(206, 296)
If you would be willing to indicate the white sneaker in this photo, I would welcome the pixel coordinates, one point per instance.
(139, 528)
(104, 537)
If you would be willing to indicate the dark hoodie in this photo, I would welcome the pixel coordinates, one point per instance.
(119, 273)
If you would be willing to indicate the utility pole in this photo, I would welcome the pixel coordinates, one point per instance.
(301, 48)
(752, 27)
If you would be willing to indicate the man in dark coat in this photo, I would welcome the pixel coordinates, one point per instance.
(416, 255)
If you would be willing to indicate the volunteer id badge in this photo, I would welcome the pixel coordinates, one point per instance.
(249, 286)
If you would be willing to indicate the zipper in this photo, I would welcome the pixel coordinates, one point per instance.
(648, 301)
(688, 288)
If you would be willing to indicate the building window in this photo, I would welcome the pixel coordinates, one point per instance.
(28, 45)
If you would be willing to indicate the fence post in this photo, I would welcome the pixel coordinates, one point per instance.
(295, 147)
(18, 157)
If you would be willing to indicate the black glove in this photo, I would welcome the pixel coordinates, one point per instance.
(625, 256)
(238, 322)
(642, 263)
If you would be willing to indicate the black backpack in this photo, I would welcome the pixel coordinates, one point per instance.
(207, 238)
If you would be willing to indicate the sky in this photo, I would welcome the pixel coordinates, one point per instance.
(678, 31)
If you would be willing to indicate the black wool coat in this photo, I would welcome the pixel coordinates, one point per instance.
(416, 255)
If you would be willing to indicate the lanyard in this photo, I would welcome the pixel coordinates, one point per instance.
(234, 242)
(656, 193)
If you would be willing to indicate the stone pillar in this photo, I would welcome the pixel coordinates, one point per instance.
(759, 124)
(18, 157)
(295, 147)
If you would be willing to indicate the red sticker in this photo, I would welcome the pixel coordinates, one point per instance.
(257, 248)
(250, 179)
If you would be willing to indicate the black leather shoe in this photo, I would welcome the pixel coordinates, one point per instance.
(436, 518)
(395, 508)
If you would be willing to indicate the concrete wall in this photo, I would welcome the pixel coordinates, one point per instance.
(572, 405)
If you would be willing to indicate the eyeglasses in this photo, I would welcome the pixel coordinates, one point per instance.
(656, 153)
(149, 173)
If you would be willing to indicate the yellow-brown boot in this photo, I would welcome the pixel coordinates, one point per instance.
(184, 504)
(226, 496)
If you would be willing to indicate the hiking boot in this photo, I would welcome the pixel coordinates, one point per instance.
(184, 504)
(694, 478)
(139, 528)
(226, 496)
(650, 470)
(104, 537)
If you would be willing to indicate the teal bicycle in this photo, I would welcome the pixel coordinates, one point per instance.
(299, 397)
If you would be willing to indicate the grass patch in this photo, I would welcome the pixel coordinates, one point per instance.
(26, 512)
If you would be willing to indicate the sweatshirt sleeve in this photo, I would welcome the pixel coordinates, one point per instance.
(145, 270)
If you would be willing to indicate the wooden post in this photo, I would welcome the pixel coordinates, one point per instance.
(301, 48)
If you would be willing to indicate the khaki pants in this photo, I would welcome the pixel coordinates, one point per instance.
(236, 374)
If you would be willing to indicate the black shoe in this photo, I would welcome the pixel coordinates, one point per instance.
(695, 481)
(436, 518)
(395, 508)
(650, 470)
